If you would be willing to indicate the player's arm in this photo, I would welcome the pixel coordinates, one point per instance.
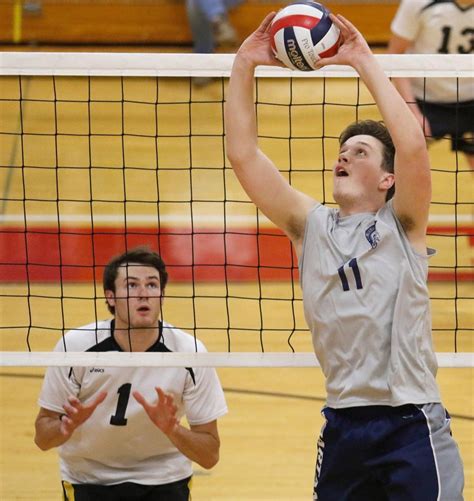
(399, 45)
(259, 177)
(200, 443)
(412, 169)
(53, 429)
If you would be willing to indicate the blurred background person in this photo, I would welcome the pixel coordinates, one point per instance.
(210, 25)
(211, 28)
(443, 106)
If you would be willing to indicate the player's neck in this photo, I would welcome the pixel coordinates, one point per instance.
(350, 208)
(139, 339)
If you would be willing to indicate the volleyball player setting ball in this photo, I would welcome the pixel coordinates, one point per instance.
(302, 33)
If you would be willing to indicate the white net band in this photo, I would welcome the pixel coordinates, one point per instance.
(192, 65)
(115, 359)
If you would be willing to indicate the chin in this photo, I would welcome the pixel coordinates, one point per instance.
(340, 197)
(144, 324)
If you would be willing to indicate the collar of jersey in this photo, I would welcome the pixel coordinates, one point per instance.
(158, 345)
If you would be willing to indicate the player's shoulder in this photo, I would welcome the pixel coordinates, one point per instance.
(320, 213)
(176, 339)
(386, 212)
(427, 5)
(418, 6)
(86, 337)
(320, 210)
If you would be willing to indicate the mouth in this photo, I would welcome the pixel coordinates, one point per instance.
(340, 172)
(143, 309)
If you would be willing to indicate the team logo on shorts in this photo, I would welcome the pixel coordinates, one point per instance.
(372, 235)
(319, 462)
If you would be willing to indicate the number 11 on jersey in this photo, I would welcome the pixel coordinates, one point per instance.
(355, 270)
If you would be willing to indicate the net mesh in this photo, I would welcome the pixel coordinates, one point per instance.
(99, 154)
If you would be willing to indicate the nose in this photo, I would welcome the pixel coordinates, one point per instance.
(142, 291)
(343, 157)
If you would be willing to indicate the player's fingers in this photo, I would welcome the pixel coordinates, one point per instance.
(70, 410)
(342, 23)
(99, 399)
(74, 401)
(267, 21)
(140, 399)
(162, 395)
(325, 61)
(67, 425)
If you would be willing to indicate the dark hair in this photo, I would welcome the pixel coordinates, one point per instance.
(380, 132)
(139, 255)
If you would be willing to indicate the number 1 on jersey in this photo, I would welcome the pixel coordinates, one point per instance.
(119, 419)
(355, 270)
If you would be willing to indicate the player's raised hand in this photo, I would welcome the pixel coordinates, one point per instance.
(353, 48)
(162, 412)
(256, 48)
(76, 412)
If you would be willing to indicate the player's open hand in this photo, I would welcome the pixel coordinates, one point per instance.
(76, 412)
(353, 47)
(162, 412)
(256, 48)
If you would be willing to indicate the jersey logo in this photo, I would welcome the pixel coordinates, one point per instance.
(372, 235)
(96, 369)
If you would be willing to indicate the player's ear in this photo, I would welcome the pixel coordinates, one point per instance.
(110, 298)
(387, 181)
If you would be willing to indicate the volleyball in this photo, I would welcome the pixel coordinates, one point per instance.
(302, 33)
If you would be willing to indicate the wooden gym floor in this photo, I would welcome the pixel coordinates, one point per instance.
(269, 436)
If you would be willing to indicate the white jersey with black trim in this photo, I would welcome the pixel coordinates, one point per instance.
(119, 443)
(437, 27)
(367, 305)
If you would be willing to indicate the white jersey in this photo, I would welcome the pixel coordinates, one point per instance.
(437, 27)
(366, 303)
(119, 443)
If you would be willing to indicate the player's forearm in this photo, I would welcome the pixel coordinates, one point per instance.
(240, 121)
(48, 433)
(400, 121)
(403, 86)
(200, 447)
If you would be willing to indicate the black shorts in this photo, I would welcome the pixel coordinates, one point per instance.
(455, 120)
(383, 453)
(128, 491)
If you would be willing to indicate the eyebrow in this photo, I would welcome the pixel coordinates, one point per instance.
(150, 277)
(363, 143)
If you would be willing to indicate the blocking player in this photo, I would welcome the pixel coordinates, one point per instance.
(118, 430)
(363, 271)
(442, 106)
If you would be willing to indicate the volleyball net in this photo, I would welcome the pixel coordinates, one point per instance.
(100, 153)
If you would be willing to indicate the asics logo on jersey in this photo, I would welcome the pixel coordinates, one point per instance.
(372, 236)
(96, 369)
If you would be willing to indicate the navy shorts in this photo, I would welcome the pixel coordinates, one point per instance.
(128, 491)
(454, 120)
(382, 453)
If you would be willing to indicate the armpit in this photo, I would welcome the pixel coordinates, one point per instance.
(408, 224)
